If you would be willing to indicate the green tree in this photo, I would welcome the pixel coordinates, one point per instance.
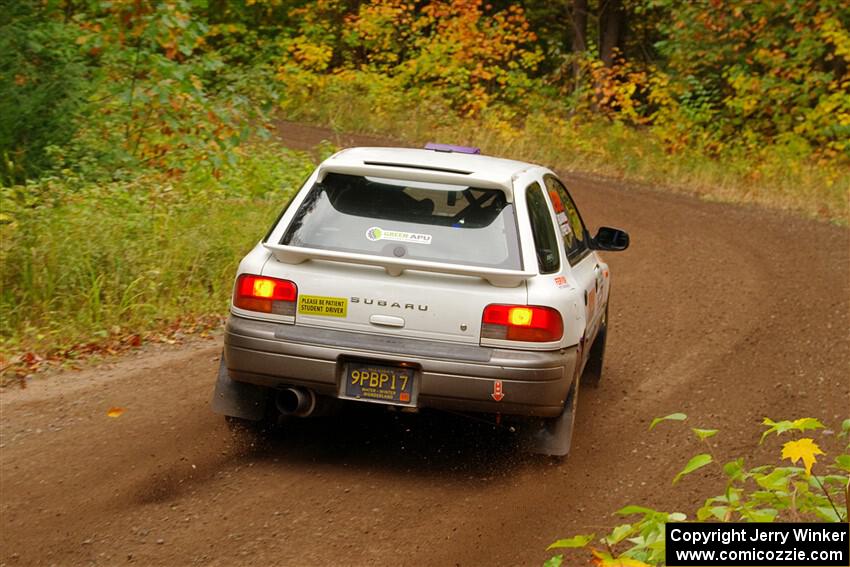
(44, 82)
(752, 72)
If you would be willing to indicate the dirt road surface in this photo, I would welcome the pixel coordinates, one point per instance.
(726, 313)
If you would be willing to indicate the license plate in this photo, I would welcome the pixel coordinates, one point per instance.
(379, 383)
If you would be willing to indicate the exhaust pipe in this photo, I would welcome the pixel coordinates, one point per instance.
(298, 402)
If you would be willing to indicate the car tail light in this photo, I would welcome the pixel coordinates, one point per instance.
(530, 323)
(268, 295)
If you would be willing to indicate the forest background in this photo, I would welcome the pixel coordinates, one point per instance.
(138, 162)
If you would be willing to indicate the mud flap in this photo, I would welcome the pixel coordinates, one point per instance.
(554, 436)
(595, 359)
(238, 399)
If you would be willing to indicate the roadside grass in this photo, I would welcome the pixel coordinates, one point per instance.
(82, 262)
(777, 177)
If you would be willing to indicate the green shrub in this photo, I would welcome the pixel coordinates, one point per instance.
(43, 84)
(79, 259)
(764, 493)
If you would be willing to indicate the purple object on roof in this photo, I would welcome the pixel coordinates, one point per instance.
(451, 148)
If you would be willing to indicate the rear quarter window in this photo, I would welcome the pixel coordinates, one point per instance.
(570, 224)
(545, 241)
(406, 219)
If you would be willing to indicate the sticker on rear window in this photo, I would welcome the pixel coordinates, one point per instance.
(378, 233)
(322, 306)
(564, 224)
(556, 201)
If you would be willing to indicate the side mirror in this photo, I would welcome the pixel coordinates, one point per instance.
(610, 239)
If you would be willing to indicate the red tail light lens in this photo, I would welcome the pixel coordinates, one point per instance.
(268, 295)
(529, 323)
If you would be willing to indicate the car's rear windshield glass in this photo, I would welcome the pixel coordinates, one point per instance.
(408, 219)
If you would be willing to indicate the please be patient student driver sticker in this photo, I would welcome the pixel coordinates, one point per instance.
(322, 306)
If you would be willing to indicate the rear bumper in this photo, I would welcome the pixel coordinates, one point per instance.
(454, 377)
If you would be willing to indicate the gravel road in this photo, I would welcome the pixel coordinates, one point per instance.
(726, 313)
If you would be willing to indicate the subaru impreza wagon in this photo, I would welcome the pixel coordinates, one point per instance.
(422, 278)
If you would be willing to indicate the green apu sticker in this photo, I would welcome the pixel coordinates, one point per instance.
(378, 233)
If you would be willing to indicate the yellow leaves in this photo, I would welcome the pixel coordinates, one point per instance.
(779, 427)
(313, 56)
(833, 32)
(619, 90)
(572, 542)
(115, 412)
(602, 559)
(465, 50)
(804, 449)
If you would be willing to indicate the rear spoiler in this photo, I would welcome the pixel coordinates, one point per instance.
(416, 173)
(396, 266)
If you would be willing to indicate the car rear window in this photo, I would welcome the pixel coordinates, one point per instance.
(408, 219)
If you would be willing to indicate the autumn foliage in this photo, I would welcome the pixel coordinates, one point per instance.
(464, 51)
(724, 76)
(754, 73)
(177, 84)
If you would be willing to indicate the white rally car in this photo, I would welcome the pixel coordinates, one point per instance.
(422, 278)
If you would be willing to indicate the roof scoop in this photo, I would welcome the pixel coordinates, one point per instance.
(449, 148)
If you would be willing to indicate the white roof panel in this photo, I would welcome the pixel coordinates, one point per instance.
(428, 165)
